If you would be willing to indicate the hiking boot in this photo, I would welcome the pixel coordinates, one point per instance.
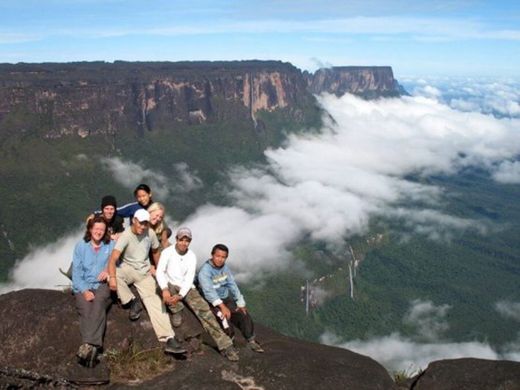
(254, 346)
(135, 309)
(177, 319)
(230, 353)
(87, 354)
(173, 346)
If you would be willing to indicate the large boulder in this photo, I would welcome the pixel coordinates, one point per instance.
(39, 334)
(471, 374)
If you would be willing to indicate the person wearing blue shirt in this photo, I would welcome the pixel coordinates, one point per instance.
(89, 284)
(143, 196)
(220, 289)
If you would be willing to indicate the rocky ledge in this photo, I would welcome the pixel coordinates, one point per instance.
(39, 334)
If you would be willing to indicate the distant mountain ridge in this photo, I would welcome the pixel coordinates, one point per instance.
(88, 98)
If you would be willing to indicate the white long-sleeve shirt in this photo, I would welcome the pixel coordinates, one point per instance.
(176, 269)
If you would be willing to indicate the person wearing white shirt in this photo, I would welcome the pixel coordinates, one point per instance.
(175, 275)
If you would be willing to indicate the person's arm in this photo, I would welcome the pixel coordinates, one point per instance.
(209, 291)
(165, 243)
(162, 278)
(128, 210)
(189, 276)
(103, 275)
(206, 285)
(78, 275)
(112, 281)
(232, 286)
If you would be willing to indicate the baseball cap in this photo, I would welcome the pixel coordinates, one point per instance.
(183, 232)
(142, 215)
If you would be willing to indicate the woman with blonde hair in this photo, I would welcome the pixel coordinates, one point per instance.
(158, 225)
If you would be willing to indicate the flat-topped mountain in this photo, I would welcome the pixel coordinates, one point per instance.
(87, 98)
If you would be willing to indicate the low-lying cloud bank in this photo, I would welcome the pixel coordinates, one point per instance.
(489, 96)
(327, 186)
(40, 268)
(413, 353)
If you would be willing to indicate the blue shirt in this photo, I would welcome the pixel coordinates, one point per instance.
(87, 265)
(129, 209)
(218, 283)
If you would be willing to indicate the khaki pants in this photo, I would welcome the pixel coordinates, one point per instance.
(147, 289)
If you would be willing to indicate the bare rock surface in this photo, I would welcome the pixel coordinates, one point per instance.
(39, 334)
(471, 374)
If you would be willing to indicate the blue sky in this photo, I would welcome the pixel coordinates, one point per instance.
(415, 37)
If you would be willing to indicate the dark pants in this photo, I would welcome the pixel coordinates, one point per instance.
(93, 315)
(242, 321)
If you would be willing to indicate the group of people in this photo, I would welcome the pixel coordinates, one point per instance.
(109, 259)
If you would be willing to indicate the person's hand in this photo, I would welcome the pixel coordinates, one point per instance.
(176, 298)
(103, 275)
(242, 310)
(153, 271)
(225, 311)
(167, 297)
(88, 295)
(112, 283)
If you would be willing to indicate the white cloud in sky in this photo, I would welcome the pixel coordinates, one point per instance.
(327, 186)
(185, 181)
(497, 97)
(416, 28)
(428, 319)
(509, 309)
(508, 172)
(399, 353)
(40, 268)
(130, 174)
(413, 353)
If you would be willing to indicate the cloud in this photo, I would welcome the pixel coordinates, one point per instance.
(508, 172)
(429, 320)
(39, 269)
(419, 28)
(327, 186)
(489, 96)
(398, 353)
(509, 309)
(130, 174)
(413, 353)
(185, 180)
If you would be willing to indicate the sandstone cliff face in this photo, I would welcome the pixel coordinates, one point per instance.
(84, 99)
(366, 81)
(102, 98)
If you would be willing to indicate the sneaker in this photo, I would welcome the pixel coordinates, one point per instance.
(254, 346)
(87, 354)
(176, 319)
(231, 354)
(135, 309)
(173, 346)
